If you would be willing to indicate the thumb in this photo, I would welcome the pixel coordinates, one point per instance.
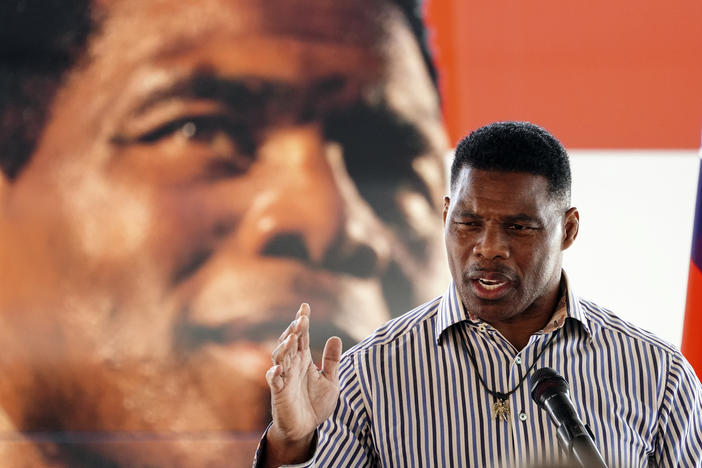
(331, 357)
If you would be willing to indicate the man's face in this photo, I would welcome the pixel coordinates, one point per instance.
(205, 170)
(504, 238)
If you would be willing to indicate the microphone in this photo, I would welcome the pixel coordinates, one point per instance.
(550, 391)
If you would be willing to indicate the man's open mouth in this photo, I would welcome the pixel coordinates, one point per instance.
(491, 285)
(490, 288)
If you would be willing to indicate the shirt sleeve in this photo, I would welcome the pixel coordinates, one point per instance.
(345, 438)
(680, 419)
(258, 457)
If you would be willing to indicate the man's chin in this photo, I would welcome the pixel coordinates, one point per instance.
(231, 381)
(490, 310)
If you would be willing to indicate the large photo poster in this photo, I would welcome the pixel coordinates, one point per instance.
(177, 177)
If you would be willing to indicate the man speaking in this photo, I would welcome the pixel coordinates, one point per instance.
(446, 383)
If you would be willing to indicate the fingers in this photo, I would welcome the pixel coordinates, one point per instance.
(293, 345)
(303, 311)
(303, 332)
(275, 379)
(302, 326)
(283, 353)
(285, 358)
(331, 357)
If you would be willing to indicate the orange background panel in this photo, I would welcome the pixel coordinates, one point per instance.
(599, 74)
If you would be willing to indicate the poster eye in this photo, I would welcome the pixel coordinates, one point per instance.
(198, 128)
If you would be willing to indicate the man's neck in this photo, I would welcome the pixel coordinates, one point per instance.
(518, 334)
(518, 330)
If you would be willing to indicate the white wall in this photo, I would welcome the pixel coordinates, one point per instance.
(633, 251)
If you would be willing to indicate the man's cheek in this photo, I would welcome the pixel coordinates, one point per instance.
(128, 328)
(108, 222)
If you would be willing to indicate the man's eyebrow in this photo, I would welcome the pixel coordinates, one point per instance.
(468, 214)
(244, 94)
(377, 134)
(241, 93)
(522, 217)
(519, 217)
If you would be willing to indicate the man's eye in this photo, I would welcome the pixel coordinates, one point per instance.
(517, 227)
(379, 147)
(468, 223)
(202, 129)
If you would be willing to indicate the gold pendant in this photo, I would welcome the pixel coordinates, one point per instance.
(500, 409)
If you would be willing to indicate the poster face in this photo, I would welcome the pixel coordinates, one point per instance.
(177, 177)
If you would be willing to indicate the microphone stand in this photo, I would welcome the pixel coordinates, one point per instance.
(550, 391)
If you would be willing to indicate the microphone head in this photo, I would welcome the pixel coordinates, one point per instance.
(546, 382)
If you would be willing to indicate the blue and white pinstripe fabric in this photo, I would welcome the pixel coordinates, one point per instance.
(410, 398)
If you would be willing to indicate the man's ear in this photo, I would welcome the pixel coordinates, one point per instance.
(447, 202)
(571, 225)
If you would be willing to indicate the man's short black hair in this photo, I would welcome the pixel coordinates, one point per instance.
(41, 40)
(516, 147)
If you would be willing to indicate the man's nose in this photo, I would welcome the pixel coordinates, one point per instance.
(309, 208)
(492, 243)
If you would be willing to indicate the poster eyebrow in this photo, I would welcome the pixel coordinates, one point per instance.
(246, 93)
(240, 92)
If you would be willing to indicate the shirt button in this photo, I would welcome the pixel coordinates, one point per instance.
(518, 360)
(482, 327)
(522, 416)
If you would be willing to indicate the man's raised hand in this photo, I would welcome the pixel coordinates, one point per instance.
(302, 396)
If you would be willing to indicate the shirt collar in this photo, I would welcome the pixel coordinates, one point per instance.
(451, 311)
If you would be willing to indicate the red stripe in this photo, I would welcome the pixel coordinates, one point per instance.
(692, 341)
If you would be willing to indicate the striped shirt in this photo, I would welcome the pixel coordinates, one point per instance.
(410, 397)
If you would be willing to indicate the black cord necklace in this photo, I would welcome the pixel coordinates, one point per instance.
(500, 407)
